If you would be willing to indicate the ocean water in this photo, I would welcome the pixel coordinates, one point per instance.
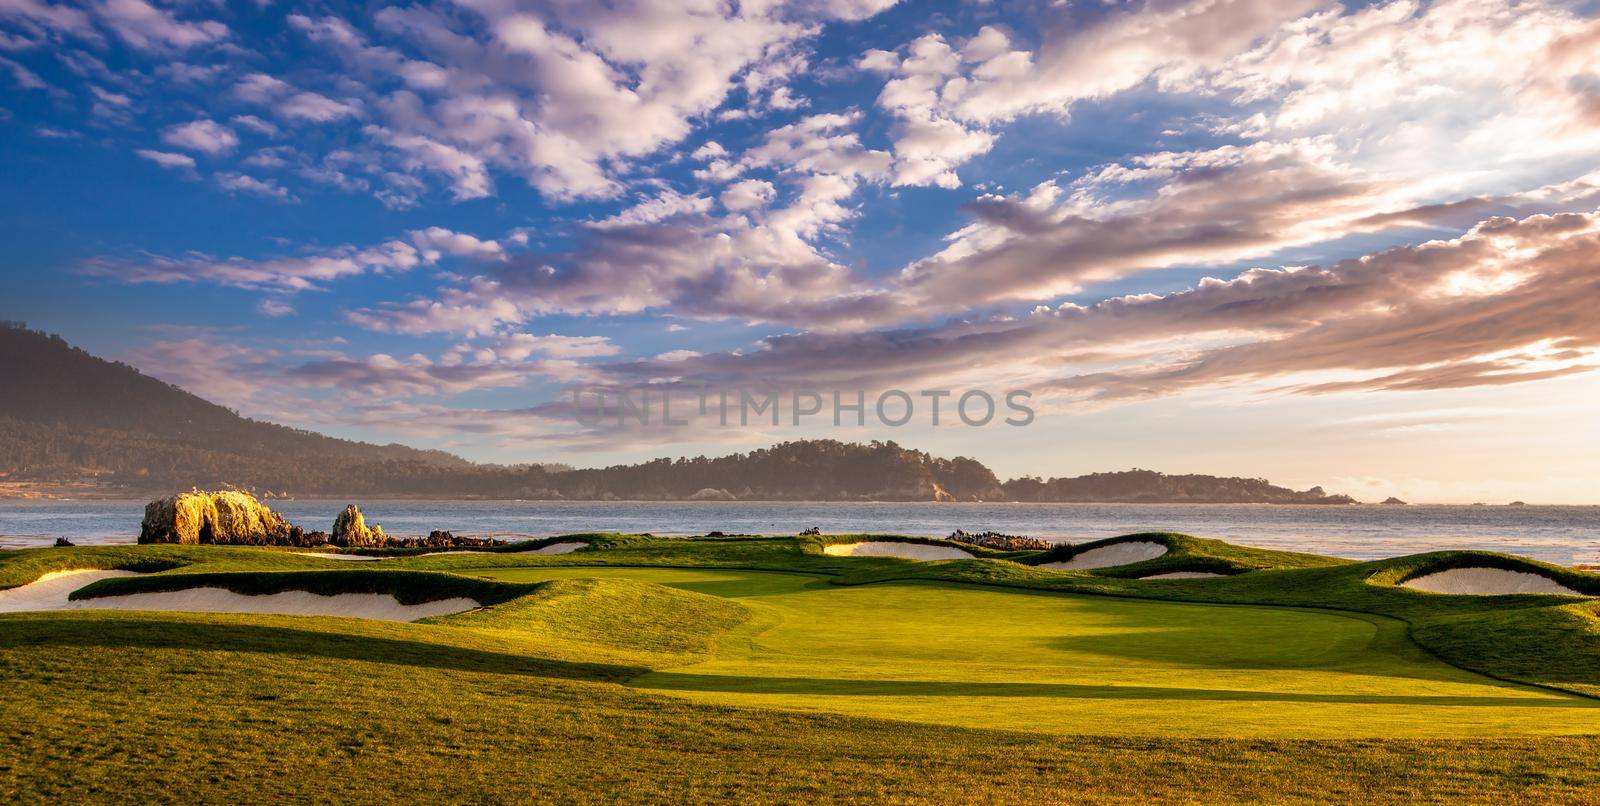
(1564, 535)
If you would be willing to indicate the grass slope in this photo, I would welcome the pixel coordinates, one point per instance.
(156, 707)
(880, 687)
(974, 657)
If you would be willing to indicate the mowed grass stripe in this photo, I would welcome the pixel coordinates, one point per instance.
(1063, 664)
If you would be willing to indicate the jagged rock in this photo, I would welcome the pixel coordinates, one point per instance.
(1001, 542)
(713, 494)
(350, 530)
(63, 543)
(440, 539)
(227, 518)
(815, 530)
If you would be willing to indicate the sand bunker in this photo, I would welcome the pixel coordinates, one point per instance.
(905, 551)
(1487, 582)
(328, 555)
(289, 603)
(1184, 575)
(50, 592)
(1132, 551)
(557, 548)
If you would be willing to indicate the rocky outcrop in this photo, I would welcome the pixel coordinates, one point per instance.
(440, 539)
(226, 518)
(350, 530)
(1001, 542)
(1393, 502)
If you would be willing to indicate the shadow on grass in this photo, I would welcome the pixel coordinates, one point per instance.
(678, 681)
(136, 632)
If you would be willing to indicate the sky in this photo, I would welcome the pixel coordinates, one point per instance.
(1354, 245)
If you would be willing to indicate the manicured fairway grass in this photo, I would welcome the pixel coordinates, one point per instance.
(980, 657)
(764, 670)
(218, 708)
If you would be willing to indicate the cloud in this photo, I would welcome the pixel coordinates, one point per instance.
(469, 175)
(38, 20)
(204, 136)
(1205, 207)
(1505, 303)
(1119, 49)
(519, 346)
(244, 183)
(147, 27)
(566, 96)
(290, 274)
(316, 108)
(668, 204)
(24, 78)
(255, 124)
(750, 194)
(274, 308)
(167, 159)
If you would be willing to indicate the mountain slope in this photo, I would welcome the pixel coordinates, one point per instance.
(65, 414)
(69, 417)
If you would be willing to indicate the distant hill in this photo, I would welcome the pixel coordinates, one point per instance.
(69, 418)
(66, 415)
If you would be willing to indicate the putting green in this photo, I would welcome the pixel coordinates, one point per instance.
(1067, 664)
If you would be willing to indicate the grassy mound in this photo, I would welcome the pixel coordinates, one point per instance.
(1403, 569)
(1185, 553)
(612, 619)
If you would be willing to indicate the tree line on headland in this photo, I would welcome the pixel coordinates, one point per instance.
(69, 417)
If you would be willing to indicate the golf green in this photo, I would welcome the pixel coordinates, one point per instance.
(971, 656)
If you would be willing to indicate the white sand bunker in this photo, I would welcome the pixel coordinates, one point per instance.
(288, 603)
(328, 555)
(890, 548)
(557, 548)
(1184, 575)
(50, 592)
(1126, 553)
(1487, 582)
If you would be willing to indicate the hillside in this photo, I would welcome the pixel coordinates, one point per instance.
(69, 418)
(66, 415)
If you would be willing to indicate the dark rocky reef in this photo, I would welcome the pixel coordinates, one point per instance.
(1001, 542)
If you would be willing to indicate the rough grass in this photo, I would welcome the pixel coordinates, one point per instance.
(523, 702)
(214, 708)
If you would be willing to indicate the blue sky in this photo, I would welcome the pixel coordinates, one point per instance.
(431, 223)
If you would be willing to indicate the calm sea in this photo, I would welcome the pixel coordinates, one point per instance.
(1565, 535)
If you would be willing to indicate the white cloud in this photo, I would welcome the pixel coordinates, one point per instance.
(244, 183)
(167, 159)
(204, 136)
(255, 124)
(147, 27)
(750, 194)
(290, 274)
(316, 108)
